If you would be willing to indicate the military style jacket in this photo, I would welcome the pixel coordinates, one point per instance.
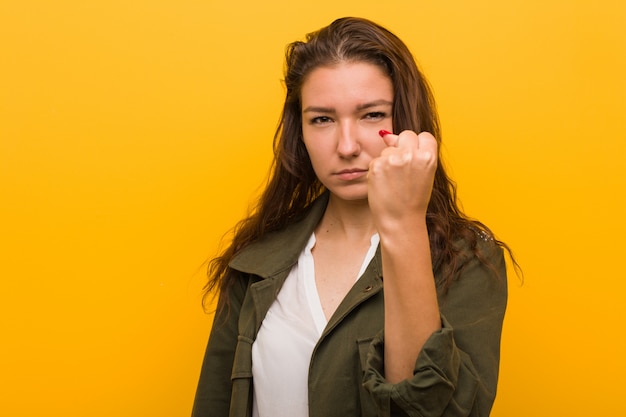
(455, 373)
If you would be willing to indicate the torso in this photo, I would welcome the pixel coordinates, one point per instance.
(293, 325)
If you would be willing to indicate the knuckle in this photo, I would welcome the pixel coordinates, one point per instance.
(375, 166)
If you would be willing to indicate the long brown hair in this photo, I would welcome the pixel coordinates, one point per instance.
(292, 184)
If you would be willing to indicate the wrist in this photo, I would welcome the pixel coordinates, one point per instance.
(407, 225)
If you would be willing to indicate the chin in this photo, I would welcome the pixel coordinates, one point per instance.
(346, 195)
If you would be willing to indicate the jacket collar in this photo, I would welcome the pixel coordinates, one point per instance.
(279, 251)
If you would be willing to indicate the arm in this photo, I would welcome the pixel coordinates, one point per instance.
(411, 307)
(436, 360)
(400, 184)
(456, 372)
(215, 385)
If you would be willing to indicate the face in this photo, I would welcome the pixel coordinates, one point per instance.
(343, 109)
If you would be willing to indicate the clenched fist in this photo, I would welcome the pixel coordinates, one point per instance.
(400, 180)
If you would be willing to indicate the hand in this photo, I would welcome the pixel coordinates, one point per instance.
(400, 180)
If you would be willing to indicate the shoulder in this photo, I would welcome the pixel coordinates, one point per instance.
(477, 296)
(479, 267)
(477, 245)
(279, 250)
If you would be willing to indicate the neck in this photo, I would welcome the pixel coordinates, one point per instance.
(351, 220)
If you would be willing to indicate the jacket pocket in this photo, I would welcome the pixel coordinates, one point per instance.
(364, 346)
(368, 405)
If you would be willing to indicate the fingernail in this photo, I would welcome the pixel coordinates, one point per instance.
(384, 132)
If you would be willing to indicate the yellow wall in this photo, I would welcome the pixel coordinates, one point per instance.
(133, 134)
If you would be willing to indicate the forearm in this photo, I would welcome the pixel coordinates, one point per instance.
(411, 307)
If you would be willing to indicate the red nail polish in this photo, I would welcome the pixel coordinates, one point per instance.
(384, 132)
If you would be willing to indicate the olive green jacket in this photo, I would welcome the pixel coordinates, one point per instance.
(455, 374)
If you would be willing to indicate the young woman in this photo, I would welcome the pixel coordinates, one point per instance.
(357, 287)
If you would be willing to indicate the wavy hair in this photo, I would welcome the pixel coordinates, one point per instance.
(293, 185)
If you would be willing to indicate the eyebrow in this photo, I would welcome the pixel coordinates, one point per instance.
(363, 106)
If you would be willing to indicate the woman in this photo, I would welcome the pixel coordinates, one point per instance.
(303, 326)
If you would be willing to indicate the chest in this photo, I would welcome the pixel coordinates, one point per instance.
(336, 268)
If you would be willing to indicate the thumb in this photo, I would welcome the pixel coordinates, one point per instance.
(389, 138)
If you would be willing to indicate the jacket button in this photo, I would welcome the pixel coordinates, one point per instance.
(368, 288)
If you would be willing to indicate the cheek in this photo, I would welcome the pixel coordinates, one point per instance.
(314, 144)
(307, 146)
(311, 151)
(376, 148)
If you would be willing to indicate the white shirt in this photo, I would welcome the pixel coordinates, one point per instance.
(289, 332)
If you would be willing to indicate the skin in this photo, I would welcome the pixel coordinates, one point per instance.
(376, 185)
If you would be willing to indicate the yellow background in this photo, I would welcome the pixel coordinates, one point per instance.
(135, 133)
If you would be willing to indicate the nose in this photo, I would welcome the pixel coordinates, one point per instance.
(348, 144)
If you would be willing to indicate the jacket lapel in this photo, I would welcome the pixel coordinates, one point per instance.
(278, 251)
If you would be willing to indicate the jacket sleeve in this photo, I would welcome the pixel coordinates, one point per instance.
(456, 372)
(213, 393)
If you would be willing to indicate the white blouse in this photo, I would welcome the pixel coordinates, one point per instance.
(289, 332)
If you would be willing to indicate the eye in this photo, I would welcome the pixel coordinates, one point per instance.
(320, 120)
(375, 115)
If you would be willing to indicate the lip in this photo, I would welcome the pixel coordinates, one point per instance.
(351, 174)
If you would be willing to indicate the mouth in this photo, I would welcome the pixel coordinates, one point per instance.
(351, 174)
